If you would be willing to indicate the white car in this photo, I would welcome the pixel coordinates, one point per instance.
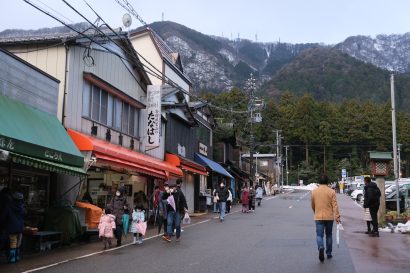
(357, 195)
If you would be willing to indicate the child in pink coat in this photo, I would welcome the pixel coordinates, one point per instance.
(106, 227)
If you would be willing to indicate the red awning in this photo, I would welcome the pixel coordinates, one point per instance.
(114, 155)
(185, 164)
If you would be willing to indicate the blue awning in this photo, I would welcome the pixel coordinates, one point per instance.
(211, 164)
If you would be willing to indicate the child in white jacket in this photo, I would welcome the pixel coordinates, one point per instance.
(138, 216)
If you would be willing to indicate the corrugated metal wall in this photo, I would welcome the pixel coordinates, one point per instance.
(23, 83)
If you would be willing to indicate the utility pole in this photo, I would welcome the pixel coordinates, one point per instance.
(393, 121)
(398, 158)
(287, 169)
(278, 160)
(251, 86)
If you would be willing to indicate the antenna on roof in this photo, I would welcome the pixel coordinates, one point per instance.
(162, 17)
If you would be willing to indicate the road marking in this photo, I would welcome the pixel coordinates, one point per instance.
(270, 198)
(112, 249)
(125, 245)
(291, 206)
(86, 256)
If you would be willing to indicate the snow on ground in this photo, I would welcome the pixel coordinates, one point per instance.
(309, 187)
(403, 228)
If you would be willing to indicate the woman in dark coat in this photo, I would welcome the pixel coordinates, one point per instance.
(14, 227)
(252, 197)
(5, 199)
(119, 205)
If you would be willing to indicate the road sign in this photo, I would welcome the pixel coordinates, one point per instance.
(344, 173)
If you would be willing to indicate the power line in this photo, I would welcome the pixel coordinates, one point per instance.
(129, 8)
(159, 75)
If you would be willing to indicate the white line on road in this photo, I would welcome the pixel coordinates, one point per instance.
(270, 198)
(116, 248)
(291, 206)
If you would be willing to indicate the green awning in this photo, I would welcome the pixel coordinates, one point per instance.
(47, 165)
(27, 131)
(380, 155)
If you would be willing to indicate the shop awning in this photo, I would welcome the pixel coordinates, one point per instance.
(185, 164)
(211, 164)
(33, 133)
(108, 153)
(47, 165)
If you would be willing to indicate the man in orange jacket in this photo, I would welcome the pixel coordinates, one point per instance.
(326, 210)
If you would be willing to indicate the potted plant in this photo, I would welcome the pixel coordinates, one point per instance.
(390, 215)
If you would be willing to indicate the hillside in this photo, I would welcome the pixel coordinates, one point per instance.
(216, 63)
(390, 52)
(330, 75)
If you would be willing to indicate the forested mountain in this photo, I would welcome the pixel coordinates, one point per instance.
(218, 64)
(390, 52)
(330, 75)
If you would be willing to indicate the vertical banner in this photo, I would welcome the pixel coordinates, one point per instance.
(153, 116)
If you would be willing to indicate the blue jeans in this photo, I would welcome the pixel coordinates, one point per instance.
(174, 217)
(216, 207)
(222, 207)
(324, 227)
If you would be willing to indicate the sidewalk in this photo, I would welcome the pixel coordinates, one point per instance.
(388, 253)
(95, 247)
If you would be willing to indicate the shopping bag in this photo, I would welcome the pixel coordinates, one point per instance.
(339, 227)
(142, 227)
(171, 202)
(187, 219)
(125, 222)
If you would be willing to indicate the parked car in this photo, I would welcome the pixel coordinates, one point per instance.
(391, 197)
(357, 194)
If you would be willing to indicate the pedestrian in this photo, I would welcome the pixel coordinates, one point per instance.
(14, 225)
(216, 201)
(118, 205)
(162, 209)
(138, 217)
(245, 200)
(341, 187)
(5, 200)
(106, 227)
(176, 206)
(252, 199)
(229, 201)
(326, 210)
(223, 194)
(259, 195)
(337, 189)
(372, 202)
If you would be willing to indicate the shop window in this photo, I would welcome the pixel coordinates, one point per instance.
(203, 134)
(104, 108)
(95, 103)
(86, 99)
(35, 189)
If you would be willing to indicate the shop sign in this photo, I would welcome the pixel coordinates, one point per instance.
(153, 116)
(181, 150)
(53, 155)
(203, 149)
(7, 143)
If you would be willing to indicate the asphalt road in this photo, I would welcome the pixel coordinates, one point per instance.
(278, 237)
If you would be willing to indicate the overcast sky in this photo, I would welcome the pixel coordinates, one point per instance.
(294, 21)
